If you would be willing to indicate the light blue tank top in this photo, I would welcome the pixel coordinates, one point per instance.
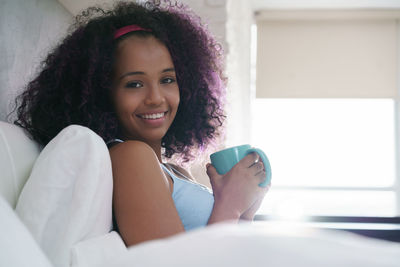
(194, 202)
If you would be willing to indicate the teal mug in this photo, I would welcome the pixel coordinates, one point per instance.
(225, 159)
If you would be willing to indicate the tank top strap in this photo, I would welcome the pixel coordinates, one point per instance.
(111, 142)
(171, 174)
(116, 140)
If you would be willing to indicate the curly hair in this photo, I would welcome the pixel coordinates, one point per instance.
(74, 83)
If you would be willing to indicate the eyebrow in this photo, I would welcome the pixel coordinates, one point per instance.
(141, 72)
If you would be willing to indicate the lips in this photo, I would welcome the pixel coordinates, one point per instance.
(152, 115)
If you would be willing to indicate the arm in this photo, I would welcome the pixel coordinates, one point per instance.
(142, 202)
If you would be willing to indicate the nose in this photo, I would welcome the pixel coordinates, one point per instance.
(154, 96)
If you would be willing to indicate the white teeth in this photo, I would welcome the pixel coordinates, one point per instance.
(153, 116)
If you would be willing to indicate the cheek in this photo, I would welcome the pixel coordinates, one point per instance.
(123, 112)
(126, 103)
(177, 101)
(177, 97)
(173, 98)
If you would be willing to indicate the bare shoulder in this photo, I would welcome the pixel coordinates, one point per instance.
(131, 147)
(135, 160)
(142, 202)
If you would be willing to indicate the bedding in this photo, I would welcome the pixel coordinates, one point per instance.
(17, 156)
(17, 246)
(262, 244)
(68, 196)
(98, 250)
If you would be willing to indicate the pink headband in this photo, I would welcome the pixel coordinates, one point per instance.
(130, 28)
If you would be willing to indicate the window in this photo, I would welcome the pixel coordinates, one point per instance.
(325, 110)
(329, 156)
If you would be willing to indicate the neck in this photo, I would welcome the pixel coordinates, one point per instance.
(156, 146)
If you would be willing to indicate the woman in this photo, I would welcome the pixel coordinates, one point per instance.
(148, 79)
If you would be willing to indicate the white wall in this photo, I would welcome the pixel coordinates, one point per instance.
(239, 21)
(27, 30)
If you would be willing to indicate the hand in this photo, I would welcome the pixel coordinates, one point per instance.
(249, 214)
(237, 191)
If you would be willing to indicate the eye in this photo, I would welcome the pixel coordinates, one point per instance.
(167, 80)
(134, 84)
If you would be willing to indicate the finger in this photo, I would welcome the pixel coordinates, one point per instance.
(257, 167)
(261, 175)
(212, 172)
(249, 160)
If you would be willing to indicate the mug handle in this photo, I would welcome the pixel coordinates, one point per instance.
(267, 165)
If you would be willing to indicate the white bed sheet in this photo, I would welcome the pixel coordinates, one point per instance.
(260, 244)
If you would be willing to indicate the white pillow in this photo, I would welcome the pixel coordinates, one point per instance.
(17, 247)
(17, 156)
(98, 250)
(68, 196)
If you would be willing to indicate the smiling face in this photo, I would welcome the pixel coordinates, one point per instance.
(145, 92)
